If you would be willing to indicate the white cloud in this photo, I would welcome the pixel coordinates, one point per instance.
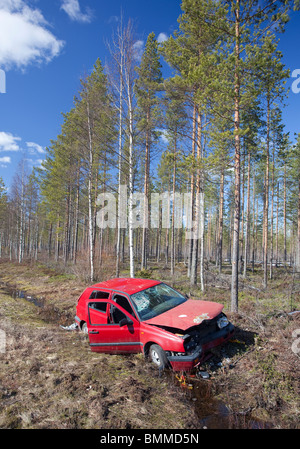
(138, 48)
(24, 37)
(113, 19)
(35, 162)
(34, 147)
(162, 37)
(5, 160)
(8, 142)
(163, 136)
(72, 8)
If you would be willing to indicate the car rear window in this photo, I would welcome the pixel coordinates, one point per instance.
(97, 294)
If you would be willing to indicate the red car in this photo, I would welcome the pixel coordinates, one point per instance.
(143, 315)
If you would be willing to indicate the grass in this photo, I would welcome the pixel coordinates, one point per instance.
(49, 378)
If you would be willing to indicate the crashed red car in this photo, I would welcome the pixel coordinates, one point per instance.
(148, 316)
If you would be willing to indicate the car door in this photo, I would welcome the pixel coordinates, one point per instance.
(107, 331)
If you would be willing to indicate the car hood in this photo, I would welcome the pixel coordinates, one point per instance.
(190, 313)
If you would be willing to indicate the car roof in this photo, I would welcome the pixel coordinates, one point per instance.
(127, 285)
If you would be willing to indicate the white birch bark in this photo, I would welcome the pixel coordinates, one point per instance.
(91, 230)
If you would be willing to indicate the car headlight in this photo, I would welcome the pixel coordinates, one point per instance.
(222, 322)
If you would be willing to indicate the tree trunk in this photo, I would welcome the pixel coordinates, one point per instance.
(201, 213)
(49, 241)
(236, 225)
(75, 240)
(145, 238)
(193, 274)
(221, 210)
(284, 214)
(120, 169)
(21, 231)
(277, 226)
(130, 214)
(192, 202)
(247, 219)
(266, 198)
(90, 217)
(272, 217)
(173, 214)
(253, 223)
(243, 161)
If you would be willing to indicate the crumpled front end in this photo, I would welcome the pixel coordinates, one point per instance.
(198, 341)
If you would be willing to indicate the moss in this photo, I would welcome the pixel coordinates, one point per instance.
(61, 278)
(144, 274)
(10, 419)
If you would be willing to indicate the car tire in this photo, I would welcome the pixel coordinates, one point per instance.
(158, 357)
(84, 328)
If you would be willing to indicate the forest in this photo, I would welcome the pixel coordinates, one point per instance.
(210, 131)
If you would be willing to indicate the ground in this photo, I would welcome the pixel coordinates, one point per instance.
(49, 378)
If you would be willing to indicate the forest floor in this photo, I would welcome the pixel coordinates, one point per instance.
(50, 379)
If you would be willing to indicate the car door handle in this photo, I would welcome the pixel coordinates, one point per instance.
(93, 332)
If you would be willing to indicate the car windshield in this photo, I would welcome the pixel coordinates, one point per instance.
(156, 300)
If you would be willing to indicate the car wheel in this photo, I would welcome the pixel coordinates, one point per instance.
(158, 356)
(84, 328)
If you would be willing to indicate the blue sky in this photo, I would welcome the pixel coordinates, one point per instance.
(46, 46)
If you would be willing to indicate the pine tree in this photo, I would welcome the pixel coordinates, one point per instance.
(192, 53)
(271, 77)
(176, 123)
(294, 197)
(147, 86)
(248, 24)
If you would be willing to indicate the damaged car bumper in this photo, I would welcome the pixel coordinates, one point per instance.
(186, 362)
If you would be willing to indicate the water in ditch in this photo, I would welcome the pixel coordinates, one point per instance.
(16, 293)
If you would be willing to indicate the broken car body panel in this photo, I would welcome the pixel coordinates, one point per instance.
(188, 314)
(131, 315)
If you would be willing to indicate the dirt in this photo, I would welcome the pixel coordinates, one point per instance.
(49, 378)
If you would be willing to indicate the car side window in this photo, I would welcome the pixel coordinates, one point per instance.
(115, 313)
(97, 313)
(97, 294)
(123, 302)
(100, 306)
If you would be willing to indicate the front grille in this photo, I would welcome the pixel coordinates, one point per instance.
(202, 330)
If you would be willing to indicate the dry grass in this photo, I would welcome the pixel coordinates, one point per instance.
(49, 378)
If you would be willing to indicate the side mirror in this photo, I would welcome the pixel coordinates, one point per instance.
(125, 321)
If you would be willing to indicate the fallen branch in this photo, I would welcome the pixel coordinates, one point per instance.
(256, 322)
(242, 356)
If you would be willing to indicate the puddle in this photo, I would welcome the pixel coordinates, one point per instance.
(15, 293)
(48, 312)
(212, 412)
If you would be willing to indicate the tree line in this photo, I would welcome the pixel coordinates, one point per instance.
(213, 129)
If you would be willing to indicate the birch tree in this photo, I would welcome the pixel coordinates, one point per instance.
(117, 48)
(130, 100)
